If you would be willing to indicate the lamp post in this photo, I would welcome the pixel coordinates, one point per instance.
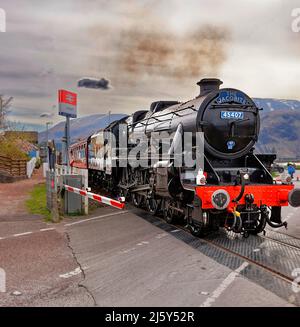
(47, 138)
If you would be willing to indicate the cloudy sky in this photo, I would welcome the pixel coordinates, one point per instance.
(149, 50)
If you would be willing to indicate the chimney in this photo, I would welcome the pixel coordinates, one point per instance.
(208, 85)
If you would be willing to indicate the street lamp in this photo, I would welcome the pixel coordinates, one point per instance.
(47, 139)
(47, 115)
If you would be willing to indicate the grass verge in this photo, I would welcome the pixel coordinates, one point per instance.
(37, 203)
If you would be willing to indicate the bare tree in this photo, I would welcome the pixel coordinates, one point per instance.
(4, 106)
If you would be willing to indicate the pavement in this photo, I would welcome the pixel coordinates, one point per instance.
(116, 258)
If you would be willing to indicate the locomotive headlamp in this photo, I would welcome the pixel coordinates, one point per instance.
(246, 177)
(220, 199)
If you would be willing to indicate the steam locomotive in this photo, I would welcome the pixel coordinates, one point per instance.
(234, 189)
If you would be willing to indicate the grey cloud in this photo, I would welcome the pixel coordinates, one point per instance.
(52, 44)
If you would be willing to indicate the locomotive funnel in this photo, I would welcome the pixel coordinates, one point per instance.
(208, 85)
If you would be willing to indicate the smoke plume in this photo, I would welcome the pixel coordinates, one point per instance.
(158, 52)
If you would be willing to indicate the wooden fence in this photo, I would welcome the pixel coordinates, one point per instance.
(14, 167)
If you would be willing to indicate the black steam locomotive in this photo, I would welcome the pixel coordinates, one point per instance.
(233, 189)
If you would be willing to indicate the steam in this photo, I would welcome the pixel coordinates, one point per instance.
(158, 52)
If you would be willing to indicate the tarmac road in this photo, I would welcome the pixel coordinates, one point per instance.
(129, 262)
(117, 258)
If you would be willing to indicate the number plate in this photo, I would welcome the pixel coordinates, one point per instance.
(232, 115)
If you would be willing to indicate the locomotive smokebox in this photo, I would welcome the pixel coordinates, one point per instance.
(208, 85)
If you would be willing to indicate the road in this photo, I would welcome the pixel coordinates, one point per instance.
(146, 266)
(123, 258)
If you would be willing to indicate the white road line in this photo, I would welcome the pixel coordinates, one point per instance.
(22, 234)
(223, 286)
(46, 229)
(98, 217)
(75, 272)
(70, 224)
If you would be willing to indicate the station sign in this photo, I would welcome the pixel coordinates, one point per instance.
(67, 103)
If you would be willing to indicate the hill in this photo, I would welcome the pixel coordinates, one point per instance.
(80, 127)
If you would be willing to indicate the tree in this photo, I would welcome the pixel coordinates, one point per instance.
(4, 106)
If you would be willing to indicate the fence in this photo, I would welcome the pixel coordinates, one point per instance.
(14, 167)
(30, 165)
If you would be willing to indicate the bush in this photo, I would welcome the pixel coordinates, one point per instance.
(9, 148)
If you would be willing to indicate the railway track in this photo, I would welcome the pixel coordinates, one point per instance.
(282, 242)
(274, 256)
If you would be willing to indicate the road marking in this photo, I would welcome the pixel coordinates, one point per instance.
(161, 235)
(224, 285)
(69, 274)
(70, 224)
(128, 250)
(46, 229)
(22, 234)
(98, 217)
(143, 243)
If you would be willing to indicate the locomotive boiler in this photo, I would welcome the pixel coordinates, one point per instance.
(234, 187)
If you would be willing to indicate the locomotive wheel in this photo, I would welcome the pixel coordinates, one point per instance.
(195, 230)
(168, 213)
(260, 225)
(137, 199)
(152, 205)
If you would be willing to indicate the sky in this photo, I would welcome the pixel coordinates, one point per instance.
(149, 50)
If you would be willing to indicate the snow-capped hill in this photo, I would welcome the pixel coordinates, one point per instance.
(270, 105)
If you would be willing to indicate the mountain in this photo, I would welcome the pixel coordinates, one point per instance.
(80, 127)
(270, 105)
(280, 132)
(280, 127)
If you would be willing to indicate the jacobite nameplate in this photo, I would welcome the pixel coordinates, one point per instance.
(232, 97)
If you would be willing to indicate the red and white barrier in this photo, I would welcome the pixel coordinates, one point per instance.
(96, 197)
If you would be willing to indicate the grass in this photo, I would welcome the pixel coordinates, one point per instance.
(37, 203)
